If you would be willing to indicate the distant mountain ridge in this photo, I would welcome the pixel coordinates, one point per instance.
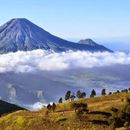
(6, 107)
(21, 34)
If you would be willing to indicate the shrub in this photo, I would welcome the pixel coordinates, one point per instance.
(126, 125)
(79, 106)
(121, 116)
(113, 109)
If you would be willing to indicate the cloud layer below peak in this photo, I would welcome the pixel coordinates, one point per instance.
(39, 60)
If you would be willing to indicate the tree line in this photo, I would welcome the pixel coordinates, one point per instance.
(71, 96)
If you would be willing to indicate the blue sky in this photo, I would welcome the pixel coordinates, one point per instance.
(102, 20)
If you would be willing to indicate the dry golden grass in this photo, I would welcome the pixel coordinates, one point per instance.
(102, 103)
(64, 118)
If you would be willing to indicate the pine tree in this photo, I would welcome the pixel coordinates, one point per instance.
(49, 107)
(93, 93)
(103, 92)
(67, 95)
(78, 94)
(53, 107)
(60, 100)
(83, 95)
(72, 97)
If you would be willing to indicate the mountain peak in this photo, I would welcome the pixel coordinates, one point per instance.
(88, 42)
(18, 20)
(22, 34)
(15, 24)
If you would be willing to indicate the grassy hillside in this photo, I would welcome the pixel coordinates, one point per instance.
(64, 118)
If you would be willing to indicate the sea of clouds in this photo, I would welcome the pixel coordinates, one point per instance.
(40, 60)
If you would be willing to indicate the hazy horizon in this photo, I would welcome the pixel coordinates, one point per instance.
(114, 44)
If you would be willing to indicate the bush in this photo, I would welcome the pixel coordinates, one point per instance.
(115, 121)
(113, 109)
(126, 125)
(79, 106)
(121, 116)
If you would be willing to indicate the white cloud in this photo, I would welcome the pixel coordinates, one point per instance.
(39, 60)
(36, 106)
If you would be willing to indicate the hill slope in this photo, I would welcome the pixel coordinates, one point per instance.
(21, 34)
(6, 107)
(99, 108)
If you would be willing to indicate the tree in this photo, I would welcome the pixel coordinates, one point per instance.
(93, 93)
(53, 107)
(83, 95)
(124, 90)
(110, 93)
(78, 94)
(60, 100)
(67, 95)
(103, 92)
(72, 97)
(49, 107)
(117, 91)
(126, 125)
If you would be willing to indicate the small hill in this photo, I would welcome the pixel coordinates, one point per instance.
(21, 34)
(6, 107)
(64, 118)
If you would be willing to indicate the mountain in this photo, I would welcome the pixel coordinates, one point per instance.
(89, 42)
(21, 34)
(6, 107)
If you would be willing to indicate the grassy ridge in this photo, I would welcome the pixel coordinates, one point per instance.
(64, 118)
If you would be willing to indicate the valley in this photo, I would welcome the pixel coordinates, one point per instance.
(64, 116)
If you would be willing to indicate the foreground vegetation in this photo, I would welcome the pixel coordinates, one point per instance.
(107, 112)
